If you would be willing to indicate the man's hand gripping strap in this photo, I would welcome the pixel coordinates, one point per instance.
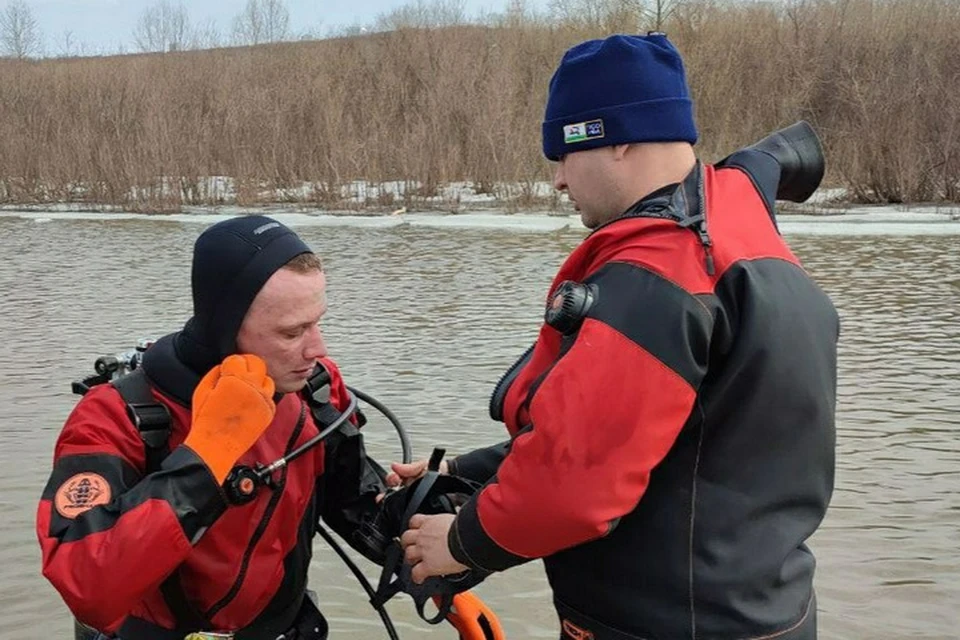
(432, 494)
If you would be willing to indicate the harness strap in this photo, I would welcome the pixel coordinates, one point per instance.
(317, 394)
(151, 418)
(155, 424)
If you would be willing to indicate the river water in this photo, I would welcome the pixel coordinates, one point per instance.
(427, 318)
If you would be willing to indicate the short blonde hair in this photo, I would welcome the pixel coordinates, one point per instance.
(305, 263)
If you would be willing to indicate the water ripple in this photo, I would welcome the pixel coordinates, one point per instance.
(427, 320)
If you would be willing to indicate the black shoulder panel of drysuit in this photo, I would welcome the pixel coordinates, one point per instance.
(763, 171)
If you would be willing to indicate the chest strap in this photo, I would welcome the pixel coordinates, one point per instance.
(155, 424)
(151, 418)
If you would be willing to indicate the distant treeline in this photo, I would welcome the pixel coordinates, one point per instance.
(427, 106)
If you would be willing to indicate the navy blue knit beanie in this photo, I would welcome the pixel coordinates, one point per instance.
(618, 90)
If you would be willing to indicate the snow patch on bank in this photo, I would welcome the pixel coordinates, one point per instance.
(851, 220)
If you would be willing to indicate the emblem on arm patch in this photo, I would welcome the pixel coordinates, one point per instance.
(80, 493)
(574, 632)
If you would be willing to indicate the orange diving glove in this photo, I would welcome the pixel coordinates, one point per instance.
(232, 407)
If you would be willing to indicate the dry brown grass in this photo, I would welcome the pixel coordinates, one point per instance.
(425, 107)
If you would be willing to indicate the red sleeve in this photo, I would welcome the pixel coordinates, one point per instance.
(107, 534)
(605, 414)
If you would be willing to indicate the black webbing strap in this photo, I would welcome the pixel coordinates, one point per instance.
(151, 418)
(317, 394)
(154, 422)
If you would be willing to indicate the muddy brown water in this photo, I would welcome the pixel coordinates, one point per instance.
(426, 320)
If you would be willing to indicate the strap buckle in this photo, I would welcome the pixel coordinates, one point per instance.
(152, 420)
(318, 385)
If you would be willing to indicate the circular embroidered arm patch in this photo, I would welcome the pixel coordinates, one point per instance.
(80, 493)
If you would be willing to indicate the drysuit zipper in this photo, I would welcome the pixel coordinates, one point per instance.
(506, 380)
(262, 525)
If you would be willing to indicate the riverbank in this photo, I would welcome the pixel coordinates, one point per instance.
(366, 199)
(417, 107)
(822, 215)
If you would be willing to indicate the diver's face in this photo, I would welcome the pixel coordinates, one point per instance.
(589, 178)
(282, 326)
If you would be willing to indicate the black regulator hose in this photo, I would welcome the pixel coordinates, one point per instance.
(406, 457)
(362, 579)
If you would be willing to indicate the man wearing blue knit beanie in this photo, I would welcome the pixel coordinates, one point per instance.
(672, 428)
(610, 93)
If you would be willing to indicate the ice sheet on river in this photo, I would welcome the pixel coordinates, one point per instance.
(853, 221)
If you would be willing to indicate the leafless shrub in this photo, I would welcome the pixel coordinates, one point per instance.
(423, 107)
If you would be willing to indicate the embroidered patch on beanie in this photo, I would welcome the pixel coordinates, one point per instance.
(583, 131)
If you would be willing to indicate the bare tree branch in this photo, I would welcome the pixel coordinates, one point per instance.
(19, 33)
(206, 36)
(638, 15)
(659, 11)
(163, 27)
(261, 21)
(423, 14)
(67, 45)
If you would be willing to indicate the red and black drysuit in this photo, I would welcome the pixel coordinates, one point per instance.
(669, 459)
(169, 534)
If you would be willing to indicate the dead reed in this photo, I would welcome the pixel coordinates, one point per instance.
(422, 106)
